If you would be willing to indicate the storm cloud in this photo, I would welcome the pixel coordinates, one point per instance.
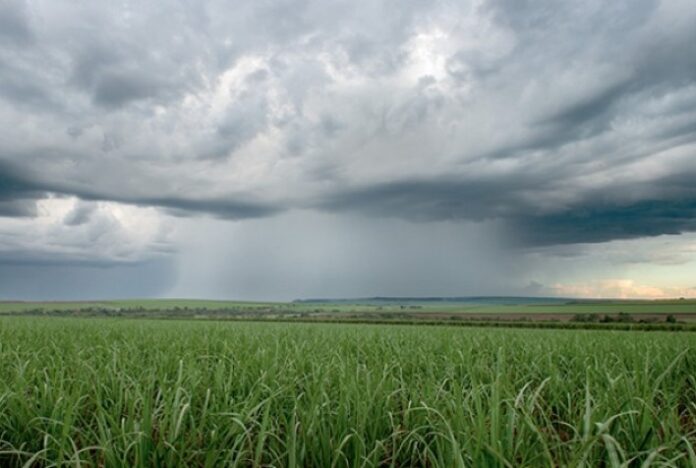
(559, 124)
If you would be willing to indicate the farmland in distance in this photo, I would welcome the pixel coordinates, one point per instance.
(547, 311)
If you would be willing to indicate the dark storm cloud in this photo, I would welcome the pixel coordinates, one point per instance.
(17, 195)
(14, 23)
(542, 115)
(589, 115)
(17, 207)
(19, 192)
(118, 73)
(671, 209)
(432, 200)
(600, 223)
(12, 182)
(591, 221)
(116, 89)
(664, 69)
(668, 206)
(659, 67)
(224, 209)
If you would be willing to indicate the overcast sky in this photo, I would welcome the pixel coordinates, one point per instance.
(276, 149)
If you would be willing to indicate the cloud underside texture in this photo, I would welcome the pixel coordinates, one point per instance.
(569, 123)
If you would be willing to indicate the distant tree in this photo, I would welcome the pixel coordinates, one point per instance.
(624, 317)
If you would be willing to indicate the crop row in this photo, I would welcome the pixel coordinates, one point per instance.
(111, 392)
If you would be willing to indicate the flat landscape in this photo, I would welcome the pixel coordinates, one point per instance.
(542, 311)
(347, 234)
(121, 392)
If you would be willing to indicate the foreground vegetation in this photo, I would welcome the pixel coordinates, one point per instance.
(100, 392)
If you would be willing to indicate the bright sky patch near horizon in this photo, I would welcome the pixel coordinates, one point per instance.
(299, 148)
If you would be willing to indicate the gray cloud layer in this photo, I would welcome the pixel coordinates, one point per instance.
(568, 123)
